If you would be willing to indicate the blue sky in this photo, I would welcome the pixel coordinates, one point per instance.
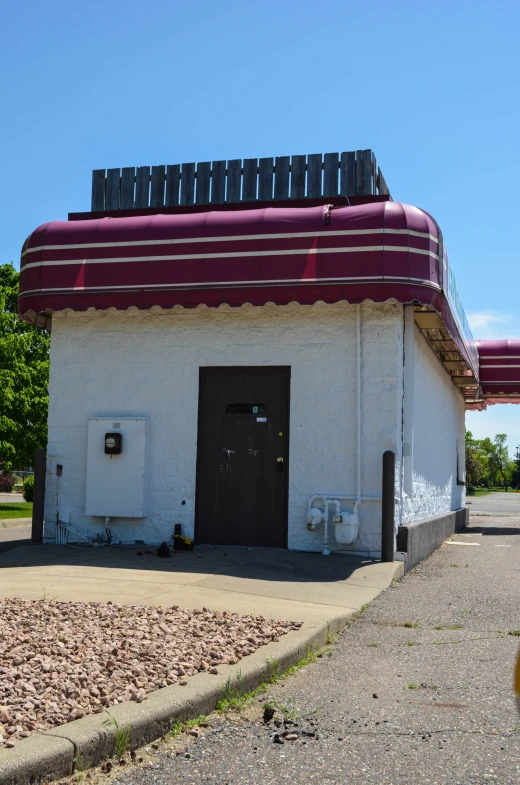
(432, 88)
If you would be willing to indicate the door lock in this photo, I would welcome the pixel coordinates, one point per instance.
(279, 464)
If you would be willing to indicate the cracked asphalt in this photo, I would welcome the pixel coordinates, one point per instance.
(417, 690)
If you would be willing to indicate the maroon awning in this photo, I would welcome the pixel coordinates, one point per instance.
(376, 251)
(499, 363)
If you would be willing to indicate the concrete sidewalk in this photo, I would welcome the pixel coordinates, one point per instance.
(11, 498)
(322, 592)
(274, 583)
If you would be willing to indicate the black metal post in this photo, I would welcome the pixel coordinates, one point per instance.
(387, 527)
(40, 465)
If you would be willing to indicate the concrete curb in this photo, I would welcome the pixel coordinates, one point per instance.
(36, 760)
(83, 743)
(15, 523)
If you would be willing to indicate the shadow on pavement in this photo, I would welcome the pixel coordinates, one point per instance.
(8, 545)
(270, 564)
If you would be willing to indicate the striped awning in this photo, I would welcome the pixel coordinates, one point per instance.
(377, 251)
(499, 363)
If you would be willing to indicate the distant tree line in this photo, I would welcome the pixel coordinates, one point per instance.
(488, 464)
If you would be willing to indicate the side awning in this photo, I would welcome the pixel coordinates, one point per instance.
(499, 365)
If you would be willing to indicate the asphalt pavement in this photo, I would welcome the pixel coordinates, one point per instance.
(14, 537)
(14, 532)
(417, 689)
(495, 503)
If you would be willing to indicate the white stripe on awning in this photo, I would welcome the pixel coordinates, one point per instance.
(233, 238)
(233, 255)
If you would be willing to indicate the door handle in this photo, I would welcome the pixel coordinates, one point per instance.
(279, 464)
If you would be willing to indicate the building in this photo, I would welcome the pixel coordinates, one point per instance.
(237, 360)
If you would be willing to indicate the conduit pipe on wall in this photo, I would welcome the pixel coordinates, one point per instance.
(358, 403)
(316, 516)
(408, 397)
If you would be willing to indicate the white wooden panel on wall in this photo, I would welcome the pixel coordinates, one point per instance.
(116, 484)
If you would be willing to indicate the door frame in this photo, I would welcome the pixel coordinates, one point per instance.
(200, 430)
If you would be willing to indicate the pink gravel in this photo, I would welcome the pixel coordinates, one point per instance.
(62, 660)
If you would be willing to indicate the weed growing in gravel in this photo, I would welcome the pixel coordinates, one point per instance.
(287, 709)
(122, 740)
(410, 643)
(455, 627)
(274, 667)
(412, 685)
(411, 624)
(177, 726)
(514, 632)
(331, 638)
(234, 700)
(78, 769)
(373, 645)
(454, 565)
(290, 713)
(363, 608)
(46, 596)
(446, 643)
(232, 696)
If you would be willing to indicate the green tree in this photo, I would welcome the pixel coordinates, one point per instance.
(498, 459)
(515, 479)
(24, 378)
(476, 462)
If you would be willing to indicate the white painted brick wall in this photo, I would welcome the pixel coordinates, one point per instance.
(146, 363)
(438, 432)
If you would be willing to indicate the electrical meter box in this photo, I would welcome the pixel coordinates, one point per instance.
(117, 467)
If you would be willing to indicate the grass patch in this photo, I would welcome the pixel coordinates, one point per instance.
(233, 699)
(10, 510)
(177, 726)
(413, 686)
(331, 638)
(122, 740)
(411, 624)
(514, 632)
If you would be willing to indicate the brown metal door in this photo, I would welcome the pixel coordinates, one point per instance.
(242, 456)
